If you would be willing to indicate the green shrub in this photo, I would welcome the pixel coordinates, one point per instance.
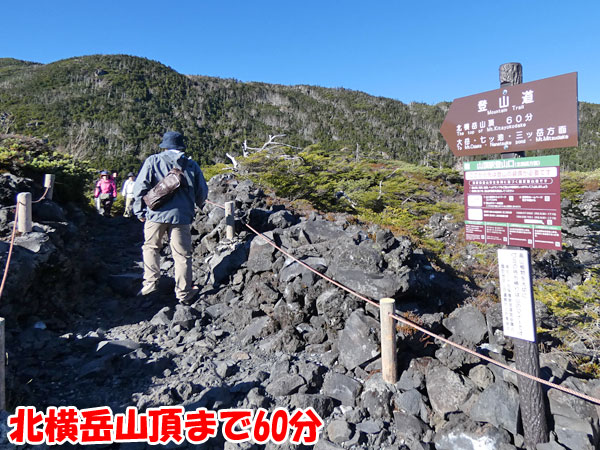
(32, 158)
(393, 194)
(578, 311)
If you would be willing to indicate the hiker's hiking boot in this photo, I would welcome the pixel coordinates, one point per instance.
(191, 297)
(147, 290)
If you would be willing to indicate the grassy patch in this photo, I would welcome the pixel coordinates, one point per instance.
(574, 184)
(578, 312)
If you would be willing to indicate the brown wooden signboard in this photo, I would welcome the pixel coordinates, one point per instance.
(530, 116)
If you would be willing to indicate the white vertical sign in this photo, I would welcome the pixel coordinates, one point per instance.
(515, 290)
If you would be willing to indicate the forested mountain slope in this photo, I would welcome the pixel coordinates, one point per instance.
(114, 108)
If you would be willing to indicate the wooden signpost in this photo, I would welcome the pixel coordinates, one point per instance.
(516, 200)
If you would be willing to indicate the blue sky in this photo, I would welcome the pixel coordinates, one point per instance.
(424, 51)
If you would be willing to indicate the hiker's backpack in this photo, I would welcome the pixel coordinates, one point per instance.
(166, 188)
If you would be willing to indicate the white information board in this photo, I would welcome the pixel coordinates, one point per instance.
(515, 290)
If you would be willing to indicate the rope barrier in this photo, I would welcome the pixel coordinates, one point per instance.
(43, 195)
(493, 361)
(417, 327)
(12, 242)
(215, 204)
(10, 250)
(286, 253)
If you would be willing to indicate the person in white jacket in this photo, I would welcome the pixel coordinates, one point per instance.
(127, 193)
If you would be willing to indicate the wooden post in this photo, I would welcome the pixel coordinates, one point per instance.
(23, 216)
(527, 359)
(229, 219)
(389, 367)
(2, 367)
(49, 183)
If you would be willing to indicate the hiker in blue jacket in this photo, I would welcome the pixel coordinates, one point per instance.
(174, 218)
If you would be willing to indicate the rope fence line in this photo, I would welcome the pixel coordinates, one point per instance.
(409, 323)
(497, 363)
(352, 292)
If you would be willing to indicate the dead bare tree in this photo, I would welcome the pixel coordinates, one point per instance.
(342, 194)
(381, 182)
(6, 121)
(236, 164)
(292, 158)
(271, 144)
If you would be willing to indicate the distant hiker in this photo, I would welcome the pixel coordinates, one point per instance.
(105, 193)
(127, 193)
(173, 218)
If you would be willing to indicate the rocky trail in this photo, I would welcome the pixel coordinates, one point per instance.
(267, 333)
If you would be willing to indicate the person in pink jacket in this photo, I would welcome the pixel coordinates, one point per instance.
(105, 193)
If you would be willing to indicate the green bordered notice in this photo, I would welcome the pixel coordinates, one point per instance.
(514, 202)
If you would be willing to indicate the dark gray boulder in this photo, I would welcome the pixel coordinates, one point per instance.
(363, 256)
(259, 327)
(460, 433)
(372, 284)
(184, 316)
(446, 389)
(576, 421)
(285, 385)
(282, 219)
(292, 269)
(385, 240)
(339, 431)
(574, 432)
(261, 254)
(341, 387)
(468, 323)
(357, 342)
(498, 404)
(321, 230)
(48, 211)
(11, 185)
(455, 358)
(411, 402)
(224, 263)
(377, 403)
(414, 376)
(408, 428)
(322, 404)
(481, 376)
(334, 306)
